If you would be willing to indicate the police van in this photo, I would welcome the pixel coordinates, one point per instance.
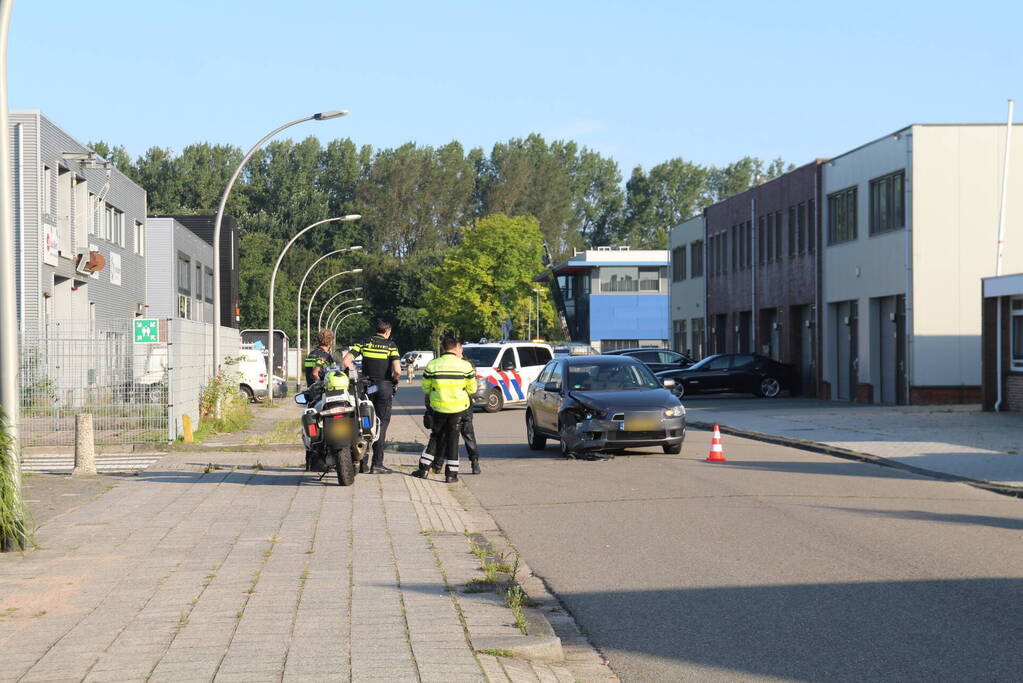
(504, 371)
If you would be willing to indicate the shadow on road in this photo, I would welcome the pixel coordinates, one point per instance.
(942, 517)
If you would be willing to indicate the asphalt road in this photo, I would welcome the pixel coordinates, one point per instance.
(779, 564)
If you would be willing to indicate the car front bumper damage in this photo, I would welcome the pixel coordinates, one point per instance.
(600, 434)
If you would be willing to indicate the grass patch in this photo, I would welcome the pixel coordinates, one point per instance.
(497, 652)
(285, 431)
(235, 416)
(479, 586)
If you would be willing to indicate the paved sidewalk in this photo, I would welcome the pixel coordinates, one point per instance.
(258, 572)
(958, 440)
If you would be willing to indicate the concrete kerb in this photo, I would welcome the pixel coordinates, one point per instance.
(847, 454)
(559, 633)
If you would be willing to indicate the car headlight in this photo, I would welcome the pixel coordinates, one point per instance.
(481, 384)
(675, 411)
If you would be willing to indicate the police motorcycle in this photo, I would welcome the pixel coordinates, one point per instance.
(339, 424)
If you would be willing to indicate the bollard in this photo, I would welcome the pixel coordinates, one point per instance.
(186, 427)
(85, 446)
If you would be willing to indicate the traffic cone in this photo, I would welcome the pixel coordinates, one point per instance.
(717, 453)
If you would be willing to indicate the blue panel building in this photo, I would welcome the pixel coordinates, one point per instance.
(613, 297)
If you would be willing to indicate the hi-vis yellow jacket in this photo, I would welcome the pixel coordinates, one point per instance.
(449, 381)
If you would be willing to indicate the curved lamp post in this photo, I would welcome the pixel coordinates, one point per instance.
(309, 308)
(273, 282)
(323, 308)
(341, 306)
(298, 302)
(357, 311)
(321, 116)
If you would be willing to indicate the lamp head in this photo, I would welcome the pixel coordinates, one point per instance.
(352, 217)
(332, 114)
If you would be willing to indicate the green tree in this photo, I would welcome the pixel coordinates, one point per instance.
(488, 278)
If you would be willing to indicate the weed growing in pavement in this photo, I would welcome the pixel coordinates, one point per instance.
(258, 467)
(210, 467)
(478, 586)
(496, 652)
(182, 620)
(513, 597)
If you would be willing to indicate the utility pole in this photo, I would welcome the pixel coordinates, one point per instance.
(10, 478)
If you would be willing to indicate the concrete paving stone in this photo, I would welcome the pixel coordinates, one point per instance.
(318, 677)
(492, 668)
(118, 676)
(519, 670)
(247, 677)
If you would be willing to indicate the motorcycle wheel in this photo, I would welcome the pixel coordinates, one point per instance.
(345, 467)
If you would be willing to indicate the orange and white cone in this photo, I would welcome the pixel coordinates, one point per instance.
(717, 453)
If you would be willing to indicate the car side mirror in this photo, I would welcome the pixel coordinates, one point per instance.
(552, 387)
(300, 399)
(668, 384)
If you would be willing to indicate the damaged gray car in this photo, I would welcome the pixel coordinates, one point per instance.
(597, 405)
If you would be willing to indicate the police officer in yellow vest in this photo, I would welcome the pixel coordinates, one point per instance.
(379, 363)
(448, 382)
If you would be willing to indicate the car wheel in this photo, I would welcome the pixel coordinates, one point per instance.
(537, 442)
(769, 387)
(672, 450)
(495, 401)
(248, 393)
(566, 452)
(679, 389)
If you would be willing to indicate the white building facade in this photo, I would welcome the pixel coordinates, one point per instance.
(688, 299)
(909, 227)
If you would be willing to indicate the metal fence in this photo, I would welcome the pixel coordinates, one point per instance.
(75, 366)
(136, 392)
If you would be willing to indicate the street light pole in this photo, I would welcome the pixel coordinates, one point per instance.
(321, 116)
(309, 308)
(273, 282)
(9, 393)
(340, 306)
(538, 292)
(356, 311)
(319, 322)
(298, 301)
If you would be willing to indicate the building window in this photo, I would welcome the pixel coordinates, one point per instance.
(139, 238)
(198, 281)
(678, 264)
(696, 258)
(749, 244)
(760, 240)
(842, 216)
(47, 189)
(616, 344)
(887, 203)
(678, 340)
(801, 227)
(208, 286)
(770, 237)
(811, 225)
(629, 279)
(696, 349)
(1016, 329)
(777, 235)
(792, 231)
(112, 227)
(735, 248)
(184, 275)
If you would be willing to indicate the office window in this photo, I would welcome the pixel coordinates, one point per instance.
(777, 235)
(47, 189)
(1016, 331)
(735, 247)
(801, 227)
(770, 237)
(887, 203)
(760, 239)
(93, 214)
(792, 231)
(696, 258)
(696, 350)
(842, 216)
(139, 238)
(208, 285)
(678, 341)
(198, 280)
(629, 279)
(184, 275)
(678, 264)
(811, 225)
(749, 244)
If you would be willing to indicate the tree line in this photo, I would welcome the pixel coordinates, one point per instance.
(418, 204)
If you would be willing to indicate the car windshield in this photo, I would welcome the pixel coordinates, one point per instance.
(481, 356)
(610, 377)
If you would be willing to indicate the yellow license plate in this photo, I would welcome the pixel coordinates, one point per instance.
(641, 424)
(339, 429)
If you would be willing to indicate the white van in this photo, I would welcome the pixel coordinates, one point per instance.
(252, 375)
(504, 371)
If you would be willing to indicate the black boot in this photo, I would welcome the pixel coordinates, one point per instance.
(475, 466)
(451, 479)
(437, 466)
(419, 473)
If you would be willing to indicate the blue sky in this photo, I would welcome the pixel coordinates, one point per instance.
(639, 81)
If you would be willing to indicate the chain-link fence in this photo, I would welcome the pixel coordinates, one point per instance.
(90, 366)
(137, 391)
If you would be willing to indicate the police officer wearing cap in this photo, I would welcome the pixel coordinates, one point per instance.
(380, 362)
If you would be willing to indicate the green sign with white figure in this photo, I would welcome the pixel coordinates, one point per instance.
(147, 330)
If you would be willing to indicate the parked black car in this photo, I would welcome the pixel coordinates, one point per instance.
(658, 360)
(733, 372)
(592, 404)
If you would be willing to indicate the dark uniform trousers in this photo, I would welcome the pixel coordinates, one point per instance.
(443, 442)
(382, 399)
(430, 455)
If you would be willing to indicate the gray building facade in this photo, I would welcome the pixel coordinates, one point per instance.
(179, 272)
(80, 231)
